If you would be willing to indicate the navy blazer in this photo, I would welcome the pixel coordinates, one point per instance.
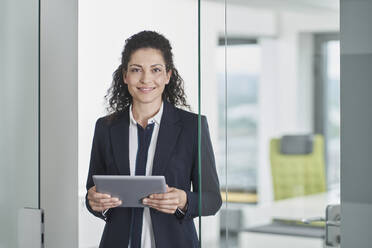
(176, 158)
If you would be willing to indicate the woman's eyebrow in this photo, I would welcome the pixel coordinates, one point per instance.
(135, 65)
(150, 66)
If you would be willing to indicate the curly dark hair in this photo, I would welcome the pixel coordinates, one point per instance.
(118, 95)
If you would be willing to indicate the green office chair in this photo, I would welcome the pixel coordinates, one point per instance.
(297, 174)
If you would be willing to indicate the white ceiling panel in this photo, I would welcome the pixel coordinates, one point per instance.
(294, 5)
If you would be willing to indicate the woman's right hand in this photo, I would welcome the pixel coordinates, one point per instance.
(100, 202)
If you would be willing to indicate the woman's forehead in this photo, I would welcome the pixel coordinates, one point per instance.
(147, 56)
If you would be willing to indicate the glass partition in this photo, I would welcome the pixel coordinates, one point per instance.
(261, 70)
(212, 134)
(19, 101)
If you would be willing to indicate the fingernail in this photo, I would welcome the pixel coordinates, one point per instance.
(151, 196)
(144, 201)
(115, 199)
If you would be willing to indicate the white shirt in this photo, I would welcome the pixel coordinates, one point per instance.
(147, 238)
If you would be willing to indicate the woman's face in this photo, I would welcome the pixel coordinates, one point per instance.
(146, 76)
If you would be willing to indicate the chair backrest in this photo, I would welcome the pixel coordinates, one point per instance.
(299, 174)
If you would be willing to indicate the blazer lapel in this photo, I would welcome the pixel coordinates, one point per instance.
(120, 143)
(167, 138)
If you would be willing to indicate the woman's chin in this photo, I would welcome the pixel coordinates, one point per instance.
(147, 100)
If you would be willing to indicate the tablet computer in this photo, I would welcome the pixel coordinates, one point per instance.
(130, 189)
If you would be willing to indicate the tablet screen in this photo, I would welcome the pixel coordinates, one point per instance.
(130, 189)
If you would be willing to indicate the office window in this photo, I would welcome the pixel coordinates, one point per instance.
(240, 98)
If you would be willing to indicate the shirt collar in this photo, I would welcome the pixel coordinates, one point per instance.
(155, 119)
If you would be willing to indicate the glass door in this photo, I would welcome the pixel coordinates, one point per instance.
(288, 156)
(19, 125)
(258, 91)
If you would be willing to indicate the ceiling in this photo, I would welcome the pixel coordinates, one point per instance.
(295, 5)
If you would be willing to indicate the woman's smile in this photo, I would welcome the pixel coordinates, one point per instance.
(146, 90)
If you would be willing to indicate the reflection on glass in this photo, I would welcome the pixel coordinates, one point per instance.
(333, 112)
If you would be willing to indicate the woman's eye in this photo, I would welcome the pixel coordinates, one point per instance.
(135, 70)
(156, 69)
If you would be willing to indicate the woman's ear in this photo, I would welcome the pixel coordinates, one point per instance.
(124, 76)
(169, 74)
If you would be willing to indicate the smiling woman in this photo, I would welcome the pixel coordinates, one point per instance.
(146, 78)
(138, 49)
(146, 133)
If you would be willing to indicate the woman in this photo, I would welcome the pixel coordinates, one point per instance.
(146, 134)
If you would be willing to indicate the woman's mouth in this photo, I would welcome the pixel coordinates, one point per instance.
(145, 89)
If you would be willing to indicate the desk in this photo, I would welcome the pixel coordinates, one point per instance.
(293, 209)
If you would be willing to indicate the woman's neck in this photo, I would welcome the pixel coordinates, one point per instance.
(143, 112)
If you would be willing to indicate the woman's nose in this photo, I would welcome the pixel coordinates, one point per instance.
(146, 77)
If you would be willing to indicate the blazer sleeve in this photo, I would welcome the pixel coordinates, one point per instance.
(210, 187)
(97, 164)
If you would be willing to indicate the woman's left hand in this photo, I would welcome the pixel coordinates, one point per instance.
(167, 202)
